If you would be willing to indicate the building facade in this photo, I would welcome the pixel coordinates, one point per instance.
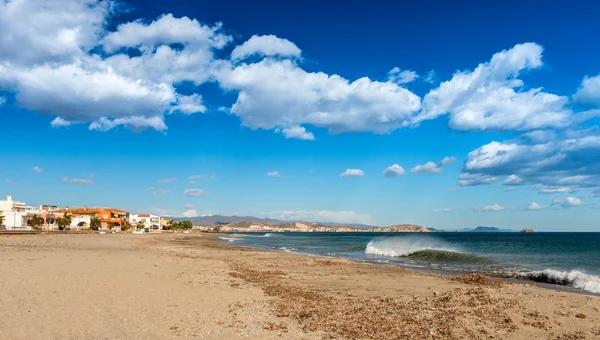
(151, 222)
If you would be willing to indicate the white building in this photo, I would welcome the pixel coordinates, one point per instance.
(151, 222)
(15, 214)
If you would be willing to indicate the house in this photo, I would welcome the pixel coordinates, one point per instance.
(82, 217)
(151, 222)
(15, 214)
(18, 215)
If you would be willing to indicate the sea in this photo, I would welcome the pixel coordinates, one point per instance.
(566, 259)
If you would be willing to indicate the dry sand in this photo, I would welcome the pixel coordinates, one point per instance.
(188, 286)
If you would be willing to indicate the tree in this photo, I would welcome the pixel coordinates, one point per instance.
(140, 225)
(186, 225)
(169, 225)
(126, 226)
(110, 225)
(64, 222)
(95, 223)
(2, 217)
(36, 221)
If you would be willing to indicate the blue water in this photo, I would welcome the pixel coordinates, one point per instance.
(571, 259)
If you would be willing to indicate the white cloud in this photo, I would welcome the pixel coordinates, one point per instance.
(37, 169)
(40, 31)
(566, 162)
(293, 97)
(430, 77)
(157, 191)
(429, 167)
(194, 192)
(352, 173)
(444, 210)
(513, 180)
(188, 206)
(297, 132)
(550, 189)
(274, 174)
(190, 213)
(589, 92)
(59, 122)
(534, 206)
(394, 170)
(266, 46)
(398, 76)
(190, 104)
(164, 31)
(466, 179)
(167, 180)
(486, 99)
(567, 202)
(78, 181)
(433, 168)
(493, 207)
(319, 216)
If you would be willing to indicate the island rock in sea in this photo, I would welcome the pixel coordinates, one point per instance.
(528, 230)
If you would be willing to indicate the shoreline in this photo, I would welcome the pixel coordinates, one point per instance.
(425, 270)
(192, 286)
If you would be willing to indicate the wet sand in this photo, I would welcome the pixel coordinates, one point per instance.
(189, 286)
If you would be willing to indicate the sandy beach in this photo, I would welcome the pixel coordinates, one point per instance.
(189, 286)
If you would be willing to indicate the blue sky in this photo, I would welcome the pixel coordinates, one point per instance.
(121, 103)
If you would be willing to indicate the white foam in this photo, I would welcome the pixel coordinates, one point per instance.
(269, 235)
(230, 239)
(403, 246)
(573, 278)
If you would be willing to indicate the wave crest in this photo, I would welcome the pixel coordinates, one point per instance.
(574, 278)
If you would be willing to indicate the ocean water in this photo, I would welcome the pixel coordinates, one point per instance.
(569, 259)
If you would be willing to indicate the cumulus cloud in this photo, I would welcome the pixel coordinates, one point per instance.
(568, 161)
(190, 104)
(328, 216)
(394, 170)
(266, 46)
(399, 76)
(190, 213)
(37, 169)
(78, 181)
(194, 192)
(589, 91)
(293, 97)
(492, 207)
(352, 173)
(534, 206)
(273, 174)
(491, 97)
(433, 168)
(567, 202)
(297, 132)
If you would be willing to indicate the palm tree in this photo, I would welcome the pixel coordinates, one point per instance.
(110, 225)
(2, 217)
(140, 225)
(64, 222)
(36, 221)
(95, 223)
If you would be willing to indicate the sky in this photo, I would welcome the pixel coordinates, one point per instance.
(444, 114)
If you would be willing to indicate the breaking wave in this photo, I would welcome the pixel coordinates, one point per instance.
(419, 249)
(270, 235)
(574, 278)
(230, 239)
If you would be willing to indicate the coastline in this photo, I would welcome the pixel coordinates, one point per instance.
(190, 285)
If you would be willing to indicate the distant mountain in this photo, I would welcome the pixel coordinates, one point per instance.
(223, 220)
(481, 229)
